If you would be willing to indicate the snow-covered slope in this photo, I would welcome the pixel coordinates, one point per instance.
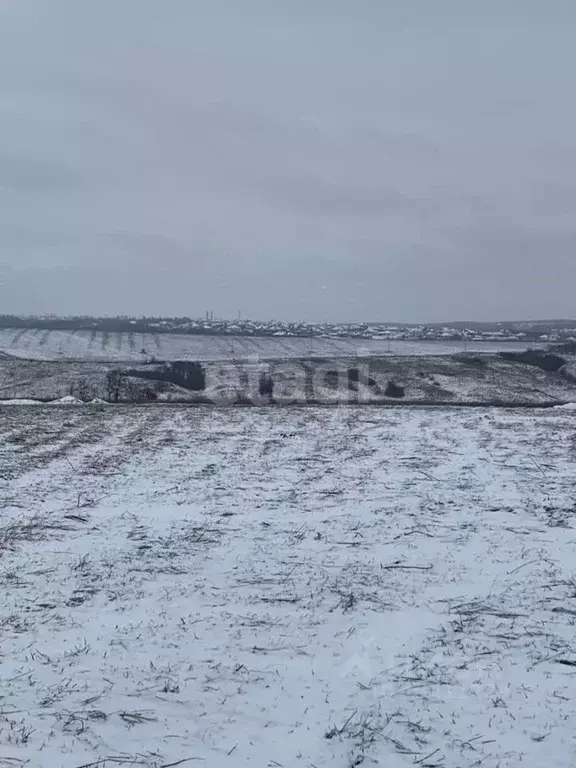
(123, 347)
(422, 379)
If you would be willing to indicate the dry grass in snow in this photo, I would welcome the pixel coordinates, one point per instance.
(287, 587)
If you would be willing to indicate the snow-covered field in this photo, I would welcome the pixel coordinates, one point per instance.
(86, 345)
(287, 588)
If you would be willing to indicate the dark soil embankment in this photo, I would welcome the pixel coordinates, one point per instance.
(546, 361)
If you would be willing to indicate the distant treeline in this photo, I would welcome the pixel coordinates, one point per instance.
(528, 326)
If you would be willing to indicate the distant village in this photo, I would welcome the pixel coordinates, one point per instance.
(551, 331)
(382, 331)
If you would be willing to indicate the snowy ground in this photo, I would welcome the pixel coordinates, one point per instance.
(423, 379)
(85, 345)
(287, 587)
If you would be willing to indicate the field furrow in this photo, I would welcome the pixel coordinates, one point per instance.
(287, 587)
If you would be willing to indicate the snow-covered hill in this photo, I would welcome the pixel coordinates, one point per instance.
(335, 380)
(137, 347)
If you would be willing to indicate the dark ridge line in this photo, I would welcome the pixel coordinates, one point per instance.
(500, 404)
(523, 405)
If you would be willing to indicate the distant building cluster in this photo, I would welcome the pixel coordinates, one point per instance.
(382, 331)
(559, 331)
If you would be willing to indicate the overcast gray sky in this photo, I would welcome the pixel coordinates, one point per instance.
(400, 160)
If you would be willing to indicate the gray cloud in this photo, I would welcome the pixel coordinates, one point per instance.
(323, 160)
(23, 174)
